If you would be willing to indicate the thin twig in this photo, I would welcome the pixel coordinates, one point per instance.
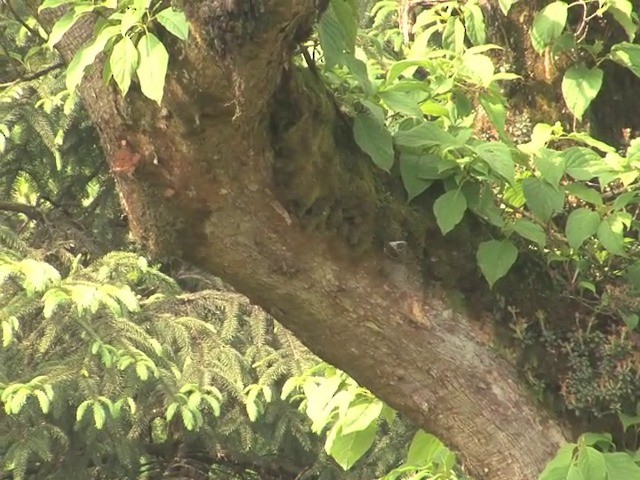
(34, 75)
(20, 20)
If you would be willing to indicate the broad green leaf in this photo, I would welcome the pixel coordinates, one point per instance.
(130, 18)
(620, 466)
(337, 31)
(152, 68)
(399, 67)
(87, 55)
(540, 137)
(628, 420)
(493, 105)
(581, 224)
(483, 203)
(548, 25)
(425, 135)
(558, 467)
(449, 210)
(401, 102)
(175, 22)
(591, 142)
(580, 85)
(542, 198)
(611, 240)
(592, 464)
(584, 164)
(624, 199)
(474, 23)
(550, 164)
(498, 157)
(505, 5)
(426, 449)
(530, 231)
(479, 68)
(575, 473)
(360, 72)
(318, 396)
(600, 439)
(627, 55)
(418, 173)
(495, 258)
(347, 449)
(373, 137)
(622, 12)
(65, 22)
(361, 416)
(453, 35)
(123, 63)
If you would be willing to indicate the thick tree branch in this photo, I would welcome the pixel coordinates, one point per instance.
(248, 172)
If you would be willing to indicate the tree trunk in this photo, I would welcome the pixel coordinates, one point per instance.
(250, 171)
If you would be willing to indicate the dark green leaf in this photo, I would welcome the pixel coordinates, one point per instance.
(493, 105)
(495, 258)
(418, 173)
(542, 198)
(498, 157)
(581, 224)
(449, 210)
(551, 165)
(374, 139)
(530, 231)
(425, 135)
(580, 85)
(612, 240)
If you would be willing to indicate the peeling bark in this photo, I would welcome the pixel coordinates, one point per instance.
(249, 171)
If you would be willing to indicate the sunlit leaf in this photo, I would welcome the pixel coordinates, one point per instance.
(548, 25)
(152, 68)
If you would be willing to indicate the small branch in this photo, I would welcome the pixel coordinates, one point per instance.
(34, 75)
(30, 211)
(20, 20)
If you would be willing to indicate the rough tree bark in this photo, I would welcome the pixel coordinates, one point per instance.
(250, 171)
